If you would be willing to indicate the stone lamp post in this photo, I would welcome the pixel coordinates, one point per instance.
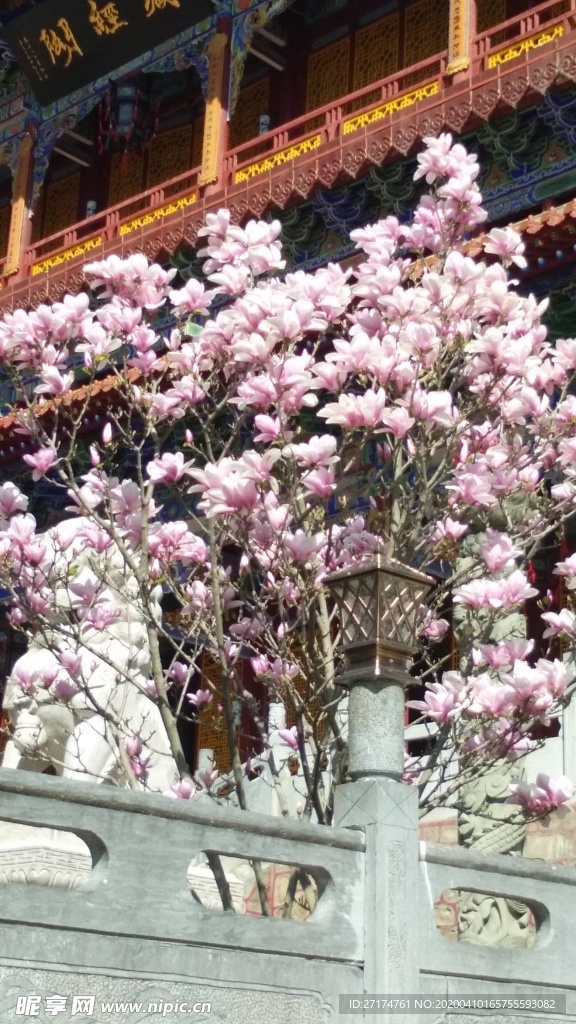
(379, 602)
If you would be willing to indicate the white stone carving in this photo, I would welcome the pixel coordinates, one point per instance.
(43, 856)
(75, 737)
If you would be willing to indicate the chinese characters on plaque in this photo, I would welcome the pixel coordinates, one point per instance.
(60, 54)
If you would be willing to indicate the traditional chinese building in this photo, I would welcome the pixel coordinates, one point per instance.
(122, 123)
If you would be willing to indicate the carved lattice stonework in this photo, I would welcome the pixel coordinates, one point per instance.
(425, 30)
(126, 177)
(253, 101)
(328, 72)
(169, 155)
(61, 205)
(376, 51)
(489, 13)
(4, 228)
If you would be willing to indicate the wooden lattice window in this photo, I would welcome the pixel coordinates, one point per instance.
(61, 204)
(376, 51)
(4, 229)
(169, 155)
(425, 30)
(253, 101)
(328, 74)
(212, 728)
(126, 177)
(197, 139)
(489, 13)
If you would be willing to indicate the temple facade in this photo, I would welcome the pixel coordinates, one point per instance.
(311, 111)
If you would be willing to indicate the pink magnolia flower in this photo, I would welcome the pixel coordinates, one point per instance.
(260, 665)
(200, 699)
(544, 795)
(24, 678)
(64, 688)
(563, 622)
(495, 594)
(53, 382)
(318, 451)
(356, 410)
(518, 589)
(472, 489)
(289, 737)
(447, 528)
(180, 673)
(303, 547)
(167, 468)
(192, 298)
(498, 551)
(41, 462)
(100, 616)
(207, 777)
(398, 421)
(182, 790)
(269, 428)
(71, 661)
(504, 653)
(441, 703)
(133, 746)
(567, 568)
(321, 482)
(557, 675)
(11, 499)
(434, 407)
(507, 244)
(434, 629)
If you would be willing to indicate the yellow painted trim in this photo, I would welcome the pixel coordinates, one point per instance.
(212, 137)
(161, 211)
(283, 156)
(525, 45)
(69, 254)
(408, 99)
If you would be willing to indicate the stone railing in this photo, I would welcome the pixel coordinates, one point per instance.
(130, 931)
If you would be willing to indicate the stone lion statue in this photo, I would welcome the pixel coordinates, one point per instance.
(83, 737)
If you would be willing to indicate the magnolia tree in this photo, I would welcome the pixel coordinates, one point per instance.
(418, 387)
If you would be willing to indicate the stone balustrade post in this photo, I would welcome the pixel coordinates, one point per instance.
(379, 607)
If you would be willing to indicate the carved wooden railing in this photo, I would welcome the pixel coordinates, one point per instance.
(122, 219)
(516, 36)
(494, 53)
(311, 130)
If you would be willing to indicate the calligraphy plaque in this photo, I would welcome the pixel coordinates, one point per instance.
(63, 45)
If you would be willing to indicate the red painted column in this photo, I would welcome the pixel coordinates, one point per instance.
(20, 231)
